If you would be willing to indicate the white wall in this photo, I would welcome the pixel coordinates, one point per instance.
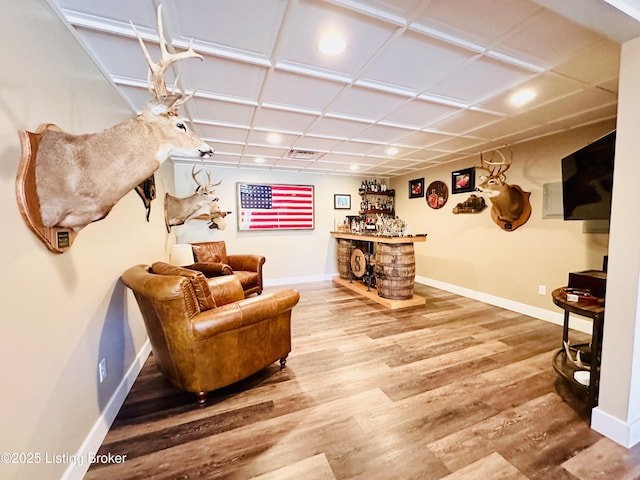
(292, 256)
(62, 313)
(618, 413)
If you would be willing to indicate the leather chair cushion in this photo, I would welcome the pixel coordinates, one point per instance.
(210, 252)
(197, 280)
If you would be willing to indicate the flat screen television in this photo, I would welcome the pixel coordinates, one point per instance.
(587, 180)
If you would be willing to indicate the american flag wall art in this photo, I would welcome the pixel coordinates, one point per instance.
(274, 206)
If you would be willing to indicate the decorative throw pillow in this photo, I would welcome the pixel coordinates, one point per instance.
(197, 280)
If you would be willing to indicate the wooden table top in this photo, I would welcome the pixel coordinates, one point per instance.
(421, 237)
(592, 310)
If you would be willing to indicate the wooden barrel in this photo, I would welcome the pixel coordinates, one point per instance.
(344, 258)
(395, 270)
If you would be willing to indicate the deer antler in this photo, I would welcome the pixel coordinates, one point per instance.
(494, 168)
(158, 70)
(206, 187)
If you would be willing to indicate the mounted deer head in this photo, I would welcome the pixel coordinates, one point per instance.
(202, 205)
(511, 207)
(79, 178)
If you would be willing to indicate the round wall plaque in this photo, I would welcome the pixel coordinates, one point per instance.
(437, 194)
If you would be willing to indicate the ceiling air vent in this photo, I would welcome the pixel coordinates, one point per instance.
(303, 154)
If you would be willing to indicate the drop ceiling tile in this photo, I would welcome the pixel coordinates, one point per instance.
(282, 120)
(249, 25)
(365, 103)
(478, 21)
(563, 39)
(422, 139)
(425, 154)
(122, 56)
(315, 144)
(479, 79)
(224, 77)
(419, 113)
(415, 61)
(610, 85)
(355, 148)
(261, 138)
(298, 91)
(290, 163)
(224, 134)
(223, 148)
(500, 128)
(457, 143)
(224, 159)
(594, 65)
(382, 151)
(584, 100)
(311, 20)
(119, 10)
(266, 152)
(464, 121)
(220, 111)
(548, 86)
(337, 127)
(381, 134)
(583, 118)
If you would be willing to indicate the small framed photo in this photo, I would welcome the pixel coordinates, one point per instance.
(416, 188)
(341, 202)
(463, 180)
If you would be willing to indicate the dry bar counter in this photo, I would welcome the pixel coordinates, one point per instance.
(379, 267)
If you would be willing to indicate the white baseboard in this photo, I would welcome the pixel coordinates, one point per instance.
(293, 280)
(100, 429)
(577, 323)
(626, 434)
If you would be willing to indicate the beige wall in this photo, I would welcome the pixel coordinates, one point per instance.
(60, 314)
(471, 252)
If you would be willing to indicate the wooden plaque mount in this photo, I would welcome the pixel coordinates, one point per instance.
(56, 239)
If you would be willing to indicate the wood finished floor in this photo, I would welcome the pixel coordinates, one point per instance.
(455, 389)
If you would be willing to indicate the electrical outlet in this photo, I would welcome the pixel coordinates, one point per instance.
(542, 289)
(102, 369)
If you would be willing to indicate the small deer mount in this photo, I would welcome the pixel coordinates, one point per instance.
(202, 205)
(67, 181)
(510, 204)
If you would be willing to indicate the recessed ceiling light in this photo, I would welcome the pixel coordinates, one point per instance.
(274, 138)
(332, 44)
(392, 151)
(259, 160)
(522, 96)
(353, 167)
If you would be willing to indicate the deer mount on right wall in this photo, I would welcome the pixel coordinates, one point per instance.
(510, 204)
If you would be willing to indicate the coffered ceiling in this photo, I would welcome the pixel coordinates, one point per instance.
(431, 78)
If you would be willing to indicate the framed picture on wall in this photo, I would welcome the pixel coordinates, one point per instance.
(463, 180)
(416, 188)
(341, 202)
(267, 206)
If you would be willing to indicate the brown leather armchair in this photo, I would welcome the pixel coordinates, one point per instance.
(212, 260)
(204, 333)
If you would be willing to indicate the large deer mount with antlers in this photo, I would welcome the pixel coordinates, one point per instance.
(67, 181)
(511, 207)
(202, 205)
